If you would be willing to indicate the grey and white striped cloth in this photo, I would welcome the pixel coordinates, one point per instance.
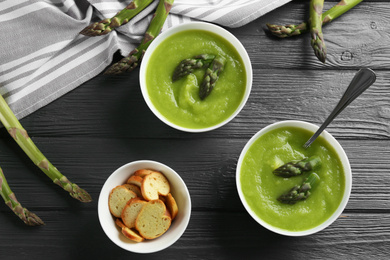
(42, 55)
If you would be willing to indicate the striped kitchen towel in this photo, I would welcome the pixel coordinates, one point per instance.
(43, 56)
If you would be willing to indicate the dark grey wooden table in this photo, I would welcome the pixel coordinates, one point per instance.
(105, 123)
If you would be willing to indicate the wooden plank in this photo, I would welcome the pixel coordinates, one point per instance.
(114, 107)
(209, 173)
(210, 235)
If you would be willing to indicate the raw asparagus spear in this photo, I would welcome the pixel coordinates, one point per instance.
(10, 200)
(317, 37)
(283, 31)
(211, 76)
(295, 168)
(132, 61)
(20, 135)
(187, 66)
(107, 25)
(301, 192)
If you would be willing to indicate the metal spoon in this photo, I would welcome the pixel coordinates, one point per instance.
(362, 80)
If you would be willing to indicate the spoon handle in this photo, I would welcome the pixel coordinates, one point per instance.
(362, 80)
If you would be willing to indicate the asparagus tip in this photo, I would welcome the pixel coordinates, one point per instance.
(74, 190)
(31, 219)
(80, 194)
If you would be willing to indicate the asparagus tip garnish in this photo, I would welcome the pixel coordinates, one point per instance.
(211, 76)
(295, 168)
(300, 192)
(187, 66)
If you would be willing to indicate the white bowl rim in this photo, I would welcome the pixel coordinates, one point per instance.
(145, 246)
(206, 27)
(343, 158)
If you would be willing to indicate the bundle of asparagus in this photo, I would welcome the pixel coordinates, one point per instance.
(19, 134)
(107, 25)
(314, 25)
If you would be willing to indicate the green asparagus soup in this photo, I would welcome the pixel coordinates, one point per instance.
(179, 101)
(261, 187)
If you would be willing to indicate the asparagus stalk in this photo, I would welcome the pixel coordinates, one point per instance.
(211, 76)
(302, 192)
(317, 37)
(20, 135)
(295, 168)
(283, 31)
(10, 200)
(107, 25)
(132, 61)
(187, 66)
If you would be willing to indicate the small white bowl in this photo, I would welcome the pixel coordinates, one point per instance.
(196, 26)
(179, 192)
(343, 158)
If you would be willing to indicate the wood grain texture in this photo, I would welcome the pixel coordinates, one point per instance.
(114, 107)
(105, 123)
(209, 173)
(210, 235)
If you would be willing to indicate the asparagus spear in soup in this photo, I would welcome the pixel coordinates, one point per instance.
(211, 76)
(295, 168)
(300, 192)
(187, 66)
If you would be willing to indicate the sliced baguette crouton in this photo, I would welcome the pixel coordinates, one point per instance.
(143, 172)
(129, 233)
(134, 188)
(132, 234)
(134, 179)
(118, 198)
(153, 185)
(131, 210)
(171, 204)
(163, 199)
(152, 220)
(119, 223)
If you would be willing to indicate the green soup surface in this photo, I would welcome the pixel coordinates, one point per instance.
(261, 187)
(179, 101)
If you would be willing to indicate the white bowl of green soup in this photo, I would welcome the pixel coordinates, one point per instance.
(213, 85)
(291, 190)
